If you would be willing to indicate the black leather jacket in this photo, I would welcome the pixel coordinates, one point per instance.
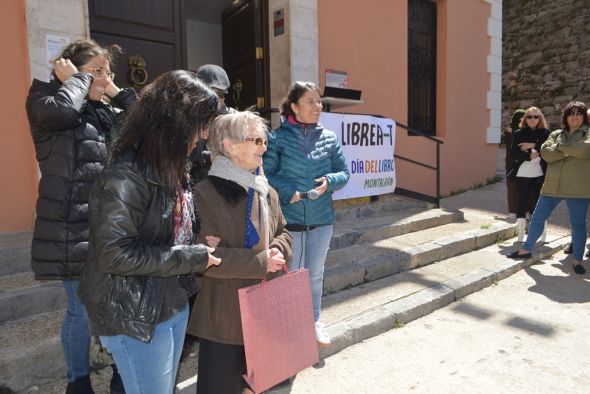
(131, 258)
(70, 144)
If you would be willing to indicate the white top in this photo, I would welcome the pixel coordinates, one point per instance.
(530, 169)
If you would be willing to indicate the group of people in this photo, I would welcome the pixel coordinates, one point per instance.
(548, 168)
(132, 235)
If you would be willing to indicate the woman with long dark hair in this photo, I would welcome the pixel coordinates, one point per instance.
(141, 263)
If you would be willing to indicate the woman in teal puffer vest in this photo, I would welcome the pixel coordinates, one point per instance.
(305, 165)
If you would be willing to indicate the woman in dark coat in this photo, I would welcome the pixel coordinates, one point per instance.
(528, 168)
(72, 118)
(511, 188)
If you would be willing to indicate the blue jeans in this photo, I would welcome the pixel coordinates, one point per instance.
(577, 209)
(75, 337)
(150, 367)
(309, 251)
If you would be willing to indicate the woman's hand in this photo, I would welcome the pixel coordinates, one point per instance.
(111, 90)
(275, 260)
(212, 259)
(524, 146)
(212, 240)
(64, 69)
(296, 198)
(323, 181)
(534, 154)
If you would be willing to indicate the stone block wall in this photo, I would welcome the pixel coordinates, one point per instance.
(546, 56)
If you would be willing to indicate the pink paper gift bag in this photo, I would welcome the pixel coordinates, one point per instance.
(278, 327)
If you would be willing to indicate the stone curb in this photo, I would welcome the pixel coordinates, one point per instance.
(354, 273)
(401, 311)
(24, 302)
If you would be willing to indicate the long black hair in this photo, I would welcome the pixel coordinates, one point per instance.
(164, 121)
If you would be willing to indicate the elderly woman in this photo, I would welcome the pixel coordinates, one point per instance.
(141, 258)
(528, 168)
(241, 215)
(567, 153)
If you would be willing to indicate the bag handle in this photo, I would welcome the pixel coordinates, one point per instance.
(285, 268)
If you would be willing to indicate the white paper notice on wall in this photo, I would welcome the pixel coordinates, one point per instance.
(336, 79)
(54, 46)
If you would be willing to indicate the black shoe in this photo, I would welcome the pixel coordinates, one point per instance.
(116, 382)
(80, 386)
(579, 269)
(516, 255)
(569, 249)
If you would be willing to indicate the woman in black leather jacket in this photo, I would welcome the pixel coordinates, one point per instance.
(71, 120)
(141, 263)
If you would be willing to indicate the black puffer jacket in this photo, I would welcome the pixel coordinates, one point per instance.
(132, 264)
(70, 148)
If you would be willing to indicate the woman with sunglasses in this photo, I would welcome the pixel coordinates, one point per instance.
(73, 117)
(567, 153)
(305, 164)
(528, 168)
(240, 215)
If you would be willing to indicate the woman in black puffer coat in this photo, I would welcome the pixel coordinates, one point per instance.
(71, 124)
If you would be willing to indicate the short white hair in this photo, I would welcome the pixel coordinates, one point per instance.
(234, 126)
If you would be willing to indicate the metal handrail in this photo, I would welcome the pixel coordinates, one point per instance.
(435, 199)
(411, 193)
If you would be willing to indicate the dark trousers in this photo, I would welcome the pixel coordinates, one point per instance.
(220, 368)
(529, 190)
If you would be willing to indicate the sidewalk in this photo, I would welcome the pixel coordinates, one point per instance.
(526, 334)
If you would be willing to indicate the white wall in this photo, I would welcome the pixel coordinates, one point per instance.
(68, 18)
(203, 44)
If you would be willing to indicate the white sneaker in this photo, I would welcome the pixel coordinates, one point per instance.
(320, 333)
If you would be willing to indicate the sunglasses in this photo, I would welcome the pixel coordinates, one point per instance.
(258, 141)
(532, 116)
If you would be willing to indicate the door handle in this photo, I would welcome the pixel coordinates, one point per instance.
(138, 74)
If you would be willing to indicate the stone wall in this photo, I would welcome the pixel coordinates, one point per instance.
(546, 56)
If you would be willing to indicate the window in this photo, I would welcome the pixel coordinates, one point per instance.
(422, 66)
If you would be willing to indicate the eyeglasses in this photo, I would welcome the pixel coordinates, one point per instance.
(101, 73)
(575, 114)
(532, 116)
(258, 141)
(220, 93)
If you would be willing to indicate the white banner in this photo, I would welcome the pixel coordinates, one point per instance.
(368, 143)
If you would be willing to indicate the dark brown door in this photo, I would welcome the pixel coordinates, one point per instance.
(148, 30)
(245, 42)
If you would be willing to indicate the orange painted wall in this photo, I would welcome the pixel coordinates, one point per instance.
(18, 172)
(369, 42)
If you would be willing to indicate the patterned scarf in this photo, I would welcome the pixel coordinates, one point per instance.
(184, 216)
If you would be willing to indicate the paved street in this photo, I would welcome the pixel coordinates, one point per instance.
(525, 334)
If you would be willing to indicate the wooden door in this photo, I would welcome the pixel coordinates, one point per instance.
(148, 30)
(244, 31)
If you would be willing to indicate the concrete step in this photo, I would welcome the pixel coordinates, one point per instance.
(389, 224)
(31, 352)
(361, 312)
(22, 296)
(15, 252)
(357, 264)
